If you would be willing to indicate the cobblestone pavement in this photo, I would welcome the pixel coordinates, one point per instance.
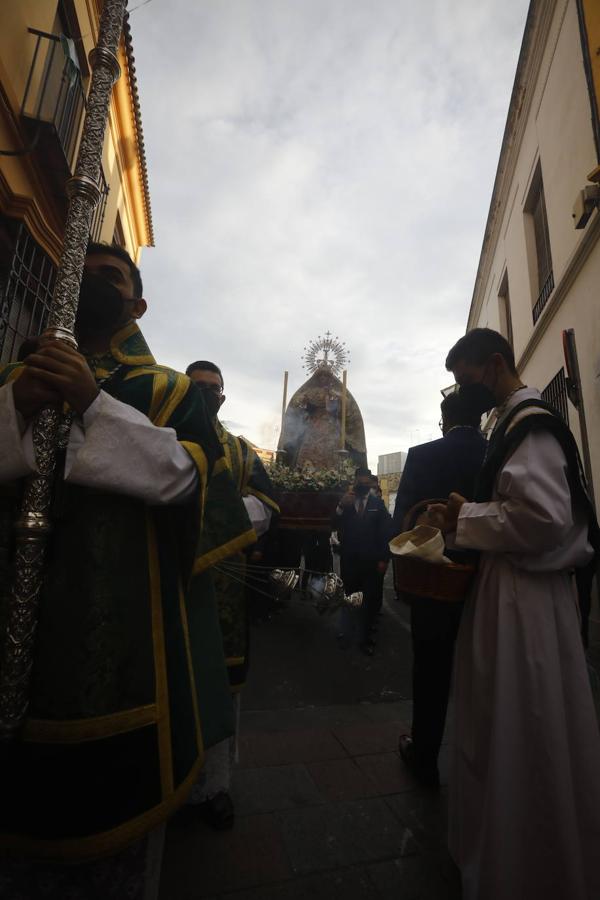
(325, 808)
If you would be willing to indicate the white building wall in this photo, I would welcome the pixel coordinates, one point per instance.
(558, 132)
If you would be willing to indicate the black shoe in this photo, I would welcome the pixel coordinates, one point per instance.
(218, 812)
(427, 775)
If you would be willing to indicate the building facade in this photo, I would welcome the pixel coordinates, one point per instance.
(44, 80)
(389, 472)
(539, 269)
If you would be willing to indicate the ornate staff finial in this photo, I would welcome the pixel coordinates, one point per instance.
(327, 353)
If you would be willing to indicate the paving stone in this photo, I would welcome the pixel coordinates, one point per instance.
(199, 862)
(416, 878)
(376, 737)
(342, 834)
(387, 772)
(345, 884)
(425, 813)
(341, 779)
(275, 749)
(273, 788)
(399, 711)
(305, 717)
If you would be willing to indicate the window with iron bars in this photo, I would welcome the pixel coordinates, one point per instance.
(27, 276)
(555, 393)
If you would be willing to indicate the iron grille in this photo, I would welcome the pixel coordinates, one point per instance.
(543, 297)
(555, 393)
(98, 214)
(26, 289)
(54, 94)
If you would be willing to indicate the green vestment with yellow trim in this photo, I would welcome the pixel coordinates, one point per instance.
(129, 682)
(229, 572)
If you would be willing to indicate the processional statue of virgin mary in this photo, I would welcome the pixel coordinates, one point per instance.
(314, 430)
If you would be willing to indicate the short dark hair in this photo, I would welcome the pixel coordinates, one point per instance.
(457, 411)
(361, 472)
(203, 365)
(95, 249)
(476, 347)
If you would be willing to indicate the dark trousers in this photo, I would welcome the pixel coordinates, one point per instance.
(434, 626)
(362, 575)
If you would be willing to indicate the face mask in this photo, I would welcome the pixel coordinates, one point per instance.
(477, 397)
(100, 306)
(361, 490)
(212, 401)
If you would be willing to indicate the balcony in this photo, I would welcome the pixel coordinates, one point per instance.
(54, 104)
(555, 393)
(544, 296)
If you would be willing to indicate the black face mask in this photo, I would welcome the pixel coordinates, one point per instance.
(477, 397)
(212, 401)
(100, 306)
(361, 490)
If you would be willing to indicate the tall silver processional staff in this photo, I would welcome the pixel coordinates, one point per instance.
(33, 524)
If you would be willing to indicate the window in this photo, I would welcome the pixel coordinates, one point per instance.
(26, 285)
(540, 256)
(504, 309)
(555, 393)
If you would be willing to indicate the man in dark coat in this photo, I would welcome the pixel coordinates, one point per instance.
(363, 525)
(434, 470)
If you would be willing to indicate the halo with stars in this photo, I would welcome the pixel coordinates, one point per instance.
(328, 353)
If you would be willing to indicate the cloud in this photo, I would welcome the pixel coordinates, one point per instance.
(321, 165)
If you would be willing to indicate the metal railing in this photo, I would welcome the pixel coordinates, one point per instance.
(544, 295)
(555, 393)
(26, 295)
(54, 94)
(98, 214)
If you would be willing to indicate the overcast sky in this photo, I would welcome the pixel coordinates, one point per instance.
(314, 165)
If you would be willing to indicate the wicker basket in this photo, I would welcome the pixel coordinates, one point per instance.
(448, 581)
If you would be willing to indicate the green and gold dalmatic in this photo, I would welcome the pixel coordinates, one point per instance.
(249, 478)
(129, 680)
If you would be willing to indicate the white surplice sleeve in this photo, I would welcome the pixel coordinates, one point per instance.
(122, 451)
(114, 447)
(533, 512)
(258, 513)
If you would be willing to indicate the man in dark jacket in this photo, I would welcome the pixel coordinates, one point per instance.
(433, 470)
(363, 525)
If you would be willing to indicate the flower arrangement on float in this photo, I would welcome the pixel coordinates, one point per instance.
(308, 496)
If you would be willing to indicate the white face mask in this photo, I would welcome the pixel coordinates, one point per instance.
(374, 492)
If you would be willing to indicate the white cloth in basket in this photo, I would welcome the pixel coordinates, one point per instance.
(423, 542)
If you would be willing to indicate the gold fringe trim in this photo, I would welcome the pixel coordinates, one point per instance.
(214, 556)
(263, 498)
(75, 731)
(106, 843)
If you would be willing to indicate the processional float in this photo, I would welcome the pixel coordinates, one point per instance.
(50, 429)
(314, 468)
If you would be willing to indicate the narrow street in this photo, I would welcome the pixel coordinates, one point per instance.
(325, 808)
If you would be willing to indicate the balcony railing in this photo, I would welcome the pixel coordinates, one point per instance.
(98, 214)
(54, 98)
(545, 292)
(555, 393)
(26, 295)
